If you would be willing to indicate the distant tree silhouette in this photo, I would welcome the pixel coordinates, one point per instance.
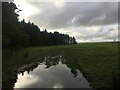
(74, 40)
(19, 34)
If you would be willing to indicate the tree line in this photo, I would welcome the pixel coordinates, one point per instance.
(21, 34)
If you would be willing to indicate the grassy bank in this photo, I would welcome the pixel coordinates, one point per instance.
(97, 61)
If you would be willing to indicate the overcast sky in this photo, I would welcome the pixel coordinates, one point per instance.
(86, 21)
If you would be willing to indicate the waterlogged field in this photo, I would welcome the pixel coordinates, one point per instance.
(98, 62)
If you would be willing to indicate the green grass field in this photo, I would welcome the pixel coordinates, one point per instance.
(97, 61)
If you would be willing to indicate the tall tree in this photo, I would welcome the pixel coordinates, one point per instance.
(12, 36)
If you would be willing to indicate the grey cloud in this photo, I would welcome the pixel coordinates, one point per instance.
(75, 14)
(104, 14)
(102, 34)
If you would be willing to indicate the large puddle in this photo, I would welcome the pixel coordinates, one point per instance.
(51, 73)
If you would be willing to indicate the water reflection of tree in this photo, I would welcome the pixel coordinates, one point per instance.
(28, 68)
(11, 77)
(53, 61)
(9, 81)
(48, 61)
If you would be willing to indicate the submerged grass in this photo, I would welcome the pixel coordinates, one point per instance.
(97, 61)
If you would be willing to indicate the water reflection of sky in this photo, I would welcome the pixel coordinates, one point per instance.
(58, 76)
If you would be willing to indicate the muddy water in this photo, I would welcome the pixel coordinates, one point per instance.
(53, 72)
